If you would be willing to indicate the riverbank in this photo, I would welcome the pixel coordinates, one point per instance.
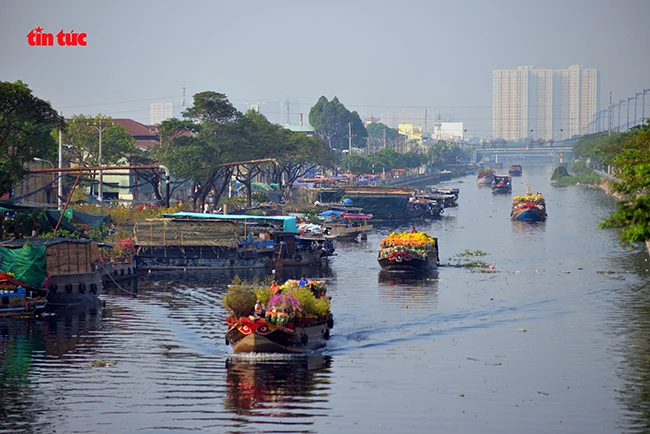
(606, 184)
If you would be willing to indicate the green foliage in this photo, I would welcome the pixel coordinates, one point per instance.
(381, 136)
(242, 295)
(25, 126)
(629, 153)
(100, 234)
(442, 152)
(83, 135)
(60, 233)
(23, 224)
(565, 181)
(581, 168)
(559, 173)
(212, 107)
(632, 217)
(330, 119)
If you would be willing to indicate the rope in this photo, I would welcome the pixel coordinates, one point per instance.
(115, 282)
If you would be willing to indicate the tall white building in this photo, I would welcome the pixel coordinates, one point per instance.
(540, 103)
(160, 111)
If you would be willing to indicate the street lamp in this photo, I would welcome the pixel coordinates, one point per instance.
(636, 95)
(620, 102)
(628, 113)
(643, 106)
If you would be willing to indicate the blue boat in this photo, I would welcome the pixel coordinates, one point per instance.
(529, 208)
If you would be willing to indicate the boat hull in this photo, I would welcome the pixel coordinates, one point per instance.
(76, 288)
(410, 265)
(530, 215)
(20, 306)
(261, 337)
(402, 260)
(342, 232)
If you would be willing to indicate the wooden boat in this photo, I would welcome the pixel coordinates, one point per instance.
(408, 252)
(529, 208)
(66, 269)
(247, 335)
(485, 177)
(346, 225)
(17, 299)
(502, 184)
(285, 327)
(294, 251)
(350, 227)
(515, 170)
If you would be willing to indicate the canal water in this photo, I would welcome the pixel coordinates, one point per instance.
(555, 339)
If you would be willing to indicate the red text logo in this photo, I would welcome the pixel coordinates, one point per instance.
(38, 38)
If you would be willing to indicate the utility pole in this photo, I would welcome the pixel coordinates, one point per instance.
(636, 95)
(59, 192)
(349, 151)
(183, 98)
(610, 114)
(425, 120)
(288, 113)
(627, 125)
(620, 102)
(100, 191)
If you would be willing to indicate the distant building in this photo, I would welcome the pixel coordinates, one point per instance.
(541, 103)
(160, 111)
(371, 120)
(145, 135)
(452, 131)
(413, 134)
(307, 130)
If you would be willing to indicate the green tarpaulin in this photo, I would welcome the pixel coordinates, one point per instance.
(27, 263)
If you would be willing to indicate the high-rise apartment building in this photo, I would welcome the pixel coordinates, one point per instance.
(540, 103)
(160, 111)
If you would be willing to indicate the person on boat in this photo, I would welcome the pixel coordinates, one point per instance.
(259, 309)
(303, 281)
(275, 288)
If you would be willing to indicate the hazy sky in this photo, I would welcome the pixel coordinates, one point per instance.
(376, 56)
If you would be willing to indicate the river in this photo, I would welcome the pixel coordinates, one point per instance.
(555, 339)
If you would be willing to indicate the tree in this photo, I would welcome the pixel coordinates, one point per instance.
(25, 126)
(330, 119)
(381, 135)
(199, 155)
(630, 154)
(81, 133)
(82, 138)
(212, 107)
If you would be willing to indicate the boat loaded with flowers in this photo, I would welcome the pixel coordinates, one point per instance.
(485, 177)
(408, 252)
(294, 319)
(531, 207)
(515, 170)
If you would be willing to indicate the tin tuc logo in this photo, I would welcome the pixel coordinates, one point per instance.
(38, 38)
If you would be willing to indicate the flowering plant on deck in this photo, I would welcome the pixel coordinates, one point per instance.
(418, 240)
(282, 302)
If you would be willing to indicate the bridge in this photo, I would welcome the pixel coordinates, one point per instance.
(524, 155)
